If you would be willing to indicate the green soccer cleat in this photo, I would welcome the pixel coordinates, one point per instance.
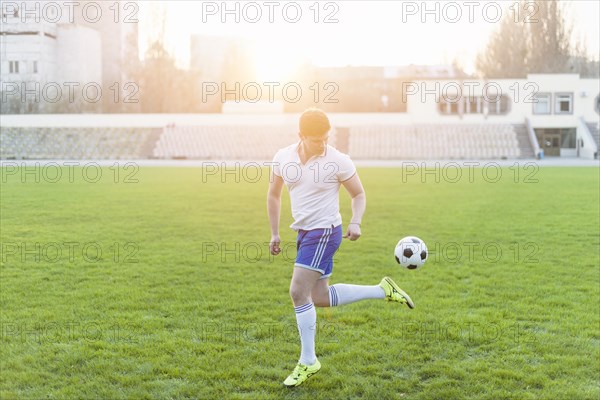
(301, 373)
(394, 293)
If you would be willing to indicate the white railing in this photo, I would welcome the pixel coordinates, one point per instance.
(586, 144)
(533, 139)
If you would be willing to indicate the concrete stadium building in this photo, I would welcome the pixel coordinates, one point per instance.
(52, 52)
(554, 115)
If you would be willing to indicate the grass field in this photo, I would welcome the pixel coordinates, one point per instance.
(157, 284)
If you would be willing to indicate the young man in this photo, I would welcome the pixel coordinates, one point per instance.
(313, 172)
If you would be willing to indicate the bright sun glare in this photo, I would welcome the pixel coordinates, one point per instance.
(279, 51)
(273, 64)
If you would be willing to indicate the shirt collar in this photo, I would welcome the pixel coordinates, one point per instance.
(297, 150)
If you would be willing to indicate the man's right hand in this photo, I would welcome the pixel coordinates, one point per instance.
(274, 245)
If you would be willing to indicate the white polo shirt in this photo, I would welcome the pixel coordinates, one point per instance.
(314, 187)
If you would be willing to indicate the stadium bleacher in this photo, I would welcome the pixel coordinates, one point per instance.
(76, 143)
(473, 141)
(223, 142)
(260, 142)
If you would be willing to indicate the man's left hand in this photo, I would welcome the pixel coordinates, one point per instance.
(353, 232)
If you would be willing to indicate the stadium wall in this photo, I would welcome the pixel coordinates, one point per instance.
(162, 120)
(423, 96)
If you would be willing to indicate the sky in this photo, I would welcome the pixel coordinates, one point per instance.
(387, 33)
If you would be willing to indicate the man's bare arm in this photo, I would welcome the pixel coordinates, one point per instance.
(274, 211)
(359, 204)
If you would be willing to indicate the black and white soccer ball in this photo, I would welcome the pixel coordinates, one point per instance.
(411, 252)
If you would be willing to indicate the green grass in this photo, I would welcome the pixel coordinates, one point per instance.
(192, 306)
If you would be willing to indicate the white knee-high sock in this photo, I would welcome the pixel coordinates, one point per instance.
(306, 316)
(342, 293)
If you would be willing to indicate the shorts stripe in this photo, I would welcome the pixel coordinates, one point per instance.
(321, 245)
(316, 249)
(321, 248)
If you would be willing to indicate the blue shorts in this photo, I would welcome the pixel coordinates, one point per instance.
(316, 249)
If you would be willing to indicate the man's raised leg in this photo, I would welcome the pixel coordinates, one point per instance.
(341, 293)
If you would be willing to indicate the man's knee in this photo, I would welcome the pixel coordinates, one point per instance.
(299, 295)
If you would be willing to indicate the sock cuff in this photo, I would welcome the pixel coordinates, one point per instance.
(333, 297)
(304, 308)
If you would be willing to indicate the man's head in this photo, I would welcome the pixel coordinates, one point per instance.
(314, 122)
(314, 129)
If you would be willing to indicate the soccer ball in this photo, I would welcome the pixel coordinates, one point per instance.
(411, 252)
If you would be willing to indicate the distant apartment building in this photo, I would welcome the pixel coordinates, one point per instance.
(56, 59)
(208, 55)
(219, 61)
(119, 47)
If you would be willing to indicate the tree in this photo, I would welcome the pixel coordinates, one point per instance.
(164, 88)
(534, 37)
(581, 63)
(549, 39)
(507, 51)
